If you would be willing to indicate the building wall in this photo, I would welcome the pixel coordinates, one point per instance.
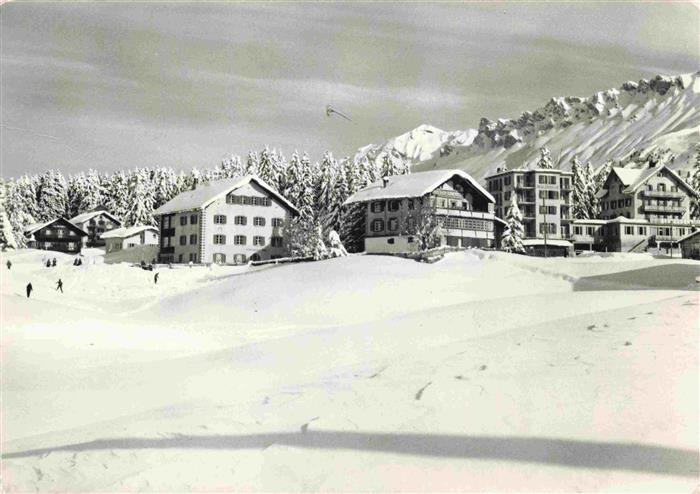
(95, 227)
(147, 237)
(391, 244)
(691, 248)
(276, 209)
(185, 224)
(533, 192)
(57, 237)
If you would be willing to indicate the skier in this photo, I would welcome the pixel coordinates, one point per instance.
(9, 264)
(53, 263)
(155, 278)
(29, 289)
(59, 285)
(48, 263)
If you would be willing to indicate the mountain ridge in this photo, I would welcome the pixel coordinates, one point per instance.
(628, 124)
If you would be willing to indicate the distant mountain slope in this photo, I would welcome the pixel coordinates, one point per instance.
(625, 124)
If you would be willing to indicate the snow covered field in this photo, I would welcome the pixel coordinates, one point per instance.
(484, 371)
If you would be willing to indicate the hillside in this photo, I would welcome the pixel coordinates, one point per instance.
(366, 373)
(661, 114)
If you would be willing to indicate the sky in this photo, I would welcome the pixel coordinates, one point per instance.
(111, 86)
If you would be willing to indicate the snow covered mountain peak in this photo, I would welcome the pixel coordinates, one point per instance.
(661, 114)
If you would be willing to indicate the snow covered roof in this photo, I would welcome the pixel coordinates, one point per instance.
(538, 241)
(413, 185)
(83, 217)
(687, 237)
(590, 222)
(35, 227)
(206, 193)
(125, 232)
(626, 175)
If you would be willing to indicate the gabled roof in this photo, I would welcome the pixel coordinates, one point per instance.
(35, 227)
(125, 232)
(647, 173)
(626, 175)
(206, 193)
(688, 237)
(83, 217)
(413, 185)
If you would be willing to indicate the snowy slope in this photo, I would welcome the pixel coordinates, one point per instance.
(638, 118)
(484, 371)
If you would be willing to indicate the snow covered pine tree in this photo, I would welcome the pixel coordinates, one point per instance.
(512, 239)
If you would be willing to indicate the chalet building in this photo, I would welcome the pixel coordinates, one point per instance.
(395, 205)
(227, 221)
(95, 223)
(640, 209)
(690, 245)
(59, 234)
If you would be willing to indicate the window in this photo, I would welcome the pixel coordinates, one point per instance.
(277, 222)
(179, 258)
(193, 257)
(661, 187)
(255, 257)
(629, 230)
(410, 204)
(259, 221)
(219, 258)
(47, 231)
(393, 224)
(239, 259)
(71, 245)
(378, 207)
(394, 205)
(506, 180)
(410, 224)
(619, 189)
(219, 219)
(549, 227)
(578, 230)
(410, 240)
(239, 240)
(507, 196)
(240, 220)
(390, 241)
(219, 239)
(193, 239)
(628, 202)
(71, 233)
(193, 219)
(589, 230)
(183, 239)
(642, 230)
(257, 240)
(59, 233)
(276, 241)
(377, 225)
(183, 220)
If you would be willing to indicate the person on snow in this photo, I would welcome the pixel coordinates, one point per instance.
(155, 278)
(48, 263)
(59, 285)
(29, 289)
(9, 264)
(53, 263)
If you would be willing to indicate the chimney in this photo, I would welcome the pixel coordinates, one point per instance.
(385, 182)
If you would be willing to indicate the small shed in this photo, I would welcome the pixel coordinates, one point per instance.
(690, 245)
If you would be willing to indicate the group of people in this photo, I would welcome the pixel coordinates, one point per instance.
(51, 263)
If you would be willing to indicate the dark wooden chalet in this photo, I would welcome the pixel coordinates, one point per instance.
(58, 234)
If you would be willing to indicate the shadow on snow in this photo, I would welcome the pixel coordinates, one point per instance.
(670, 277)
(562, 452)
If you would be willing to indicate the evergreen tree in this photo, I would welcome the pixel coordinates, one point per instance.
(21, 205)
(695, 184)
(424, 225)
(252, 164)
(232, 167)
(52, 196)
(592, 201)
(141, 199)
(7, 236)
(545, 160)
(85, 192)
(512, 239)
(581, 206)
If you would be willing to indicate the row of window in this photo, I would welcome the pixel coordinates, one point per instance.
(220, 219)
(392, 206)
(48, 245)
(393, 224)
(620, 203)
(194, 219)
(466, 224)
(59, 232)
(248, 200)
(243, 240)
(627, 229)
(499, 184)
(193, 239)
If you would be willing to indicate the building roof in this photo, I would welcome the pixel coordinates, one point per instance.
(35, 227)
(553, 242)
(590, 222)
(688, 236)
(125, 232)
(413, 185)
(206, 193)
(632, 178)
(499, 173)
(83, 217)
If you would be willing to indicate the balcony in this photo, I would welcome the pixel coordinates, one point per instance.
(663, 193)
(167, 250)
(464, 213)
(167, 232)
(652, 208)
(665, 238)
